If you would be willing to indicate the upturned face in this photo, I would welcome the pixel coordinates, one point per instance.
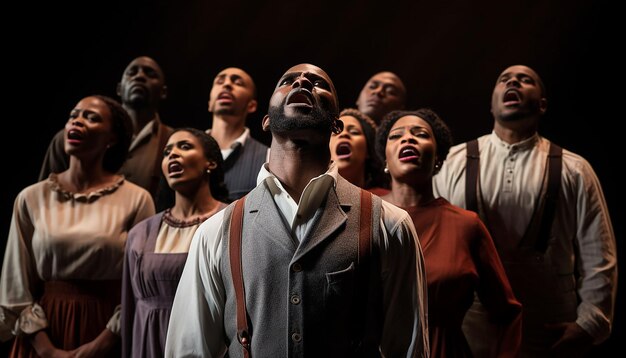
(411, 150)
(305, 98)
(349, 148)
(184, 160)
(517, 94)
(89, 129)
(142, 84)
(382, 93)
(232, 93)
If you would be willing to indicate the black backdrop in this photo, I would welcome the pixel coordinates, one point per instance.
(448, 52)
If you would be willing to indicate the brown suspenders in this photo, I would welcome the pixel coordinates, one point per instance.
(234, 248)
(551, 197)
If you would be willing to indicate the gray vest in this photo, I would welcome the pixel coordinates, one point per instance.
(302, 297)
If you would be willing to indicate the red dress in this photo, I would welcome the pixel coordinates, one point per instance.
(461, 259)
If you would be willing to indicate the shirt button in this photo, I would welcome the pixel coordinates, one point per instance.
(510, 171)
(295, 299)
(512, 159)
(296, 337)
(296, 267)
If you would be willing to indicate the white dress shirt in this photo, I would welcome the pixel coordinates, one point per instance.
(582, 240)
(197, 321)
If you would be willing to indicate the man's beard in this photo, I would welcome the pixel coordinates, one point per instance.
(317, 119)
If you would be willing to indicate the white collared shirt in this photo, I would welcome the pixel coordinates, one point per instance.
(511, 179)
(197, 320)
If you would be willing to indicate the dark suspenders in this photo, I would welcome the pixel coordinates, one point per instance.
(551, 197)
(234, 248)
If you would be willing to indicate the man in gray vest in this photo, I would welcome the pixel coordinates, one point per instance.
(306, 264)
(545, 209)
(232, 98)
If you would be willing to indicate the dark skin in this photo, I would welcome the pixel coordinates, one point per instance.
(91, 118)
(517, 104)
(299, 155)
(141, 89)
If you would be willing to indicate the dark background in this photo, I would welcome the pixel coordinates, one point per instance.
(449, 54)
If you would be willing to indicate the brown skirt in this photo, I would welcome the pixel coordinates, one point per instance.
(77, 312)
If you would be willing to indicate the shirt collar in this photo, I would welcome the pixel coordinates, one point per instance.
(265, 175)
(241, 140)
(526, 144)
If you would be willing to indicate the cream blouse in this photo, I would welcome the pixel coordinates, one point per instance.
(59, 235)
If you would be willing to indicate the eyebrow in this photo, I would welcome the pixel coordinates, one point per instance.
(309, 75)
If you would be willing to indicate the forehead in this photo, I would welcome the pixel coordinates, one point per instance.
(93, 104)
(351, 120)
(144, 62)
(386, 77)
(410, 121)
(308, 68)
(233, 71)
(182, 135)
(519, 69)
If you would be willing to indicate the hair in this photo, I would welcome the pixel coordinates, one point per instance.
(373, 168)
(211, 152)
(122, 127)
(443, 136)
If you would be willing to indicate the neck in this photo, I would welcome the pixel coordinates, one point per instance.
(295, 161)
(140, 117)
(196, 203)
(515, 131)
(84, 175)
(226, 129)
(355, 175)
(406, 194)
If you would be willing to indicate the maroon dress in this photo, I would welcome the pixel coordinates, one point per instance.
(460, 259)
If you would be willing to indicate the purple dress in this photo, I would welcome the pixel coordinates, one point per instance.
(148, 287)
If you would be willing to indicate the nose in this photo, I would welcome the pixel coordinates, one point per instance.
(513, 82)
(407, 137)
(303, 81)
(78, 120)
(378, 91)
(140, 75)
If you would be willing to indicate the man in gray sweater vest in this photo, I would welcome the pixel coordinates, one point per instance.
(309, 265)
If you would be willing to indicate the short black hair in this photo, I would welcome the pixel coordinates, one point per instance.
(443, 136)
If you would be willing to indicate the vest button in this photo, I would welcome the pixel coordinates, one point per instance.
(295, 299)
(296, 267)
(296, 337)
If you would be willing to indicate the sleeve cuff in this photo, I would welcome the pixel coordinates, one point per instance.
(114, 325)
(32, 319)
(594, 322)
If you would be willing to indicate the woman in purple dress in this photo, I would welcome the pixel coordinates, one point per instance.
(157, 247)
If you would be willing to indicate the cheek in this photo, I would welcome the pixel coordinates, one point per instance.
(361, 145)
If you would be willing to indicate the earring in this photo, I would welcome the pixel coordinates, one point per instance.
(386, 170)
(208, 171)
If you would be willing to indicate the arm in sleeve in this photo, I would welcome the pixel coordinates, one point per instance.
(196, 327)
(495, 292)
(20, 283)
(597, 260)
(128, 295)
(405, 322)
(55, 160)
